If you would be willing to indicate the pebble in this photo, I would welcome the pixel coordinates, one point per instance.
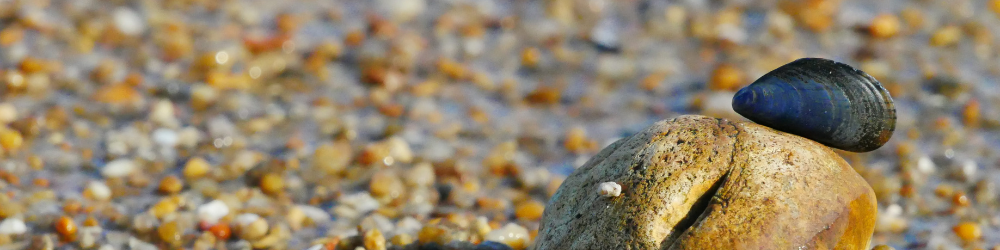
(137, 244)
(386, 184)
(170, 232)
(530, 210)
(420, 175)
(315, 214)
(211, 212)
(8, 113)
(66, 228)
(946, 36)
(10, 140)
(727, 77)
(332, 158)
(196, 168)
(511, 234)
(13, 226)
(272, 183)
(98, 191)
(252, 230)
(884, 26)
(118, 168)
(374, 240)
(128, 22)
(609, 189)
(221, 231)
(883, 247)
(170, 185)
(164, 207)
(968, 231)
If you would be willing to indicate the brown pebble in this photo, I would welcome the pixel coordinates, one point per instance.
(386, 184)
(11, 34)
(117, 94)
(272, 184)
(530, 210)
(170, 232)
(530, 57)
(652, 81)
(72, 207)
(971, 113)
(943, 190)
(354, 38)
(170, 185)
(544, 95)
(727, 77)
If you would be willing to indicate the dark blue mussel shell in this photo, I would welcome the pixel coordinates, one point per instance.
(822, 100)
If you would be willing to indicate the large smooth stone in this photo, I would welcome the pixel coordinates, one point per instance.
(698, 182)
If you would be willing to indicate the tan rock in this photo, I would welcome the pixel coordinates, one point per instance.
(698, 182)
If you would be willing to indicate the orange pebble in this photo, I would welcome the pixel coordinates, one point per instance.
(968, 231)
(66, 228)
(117, 94)
(960, 199)
(995, 6)
(221, 231)
(970, 113)
(727, 77)
(531, 210)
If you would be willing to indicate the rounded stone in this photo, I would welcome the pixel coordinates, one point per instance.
(698, 182)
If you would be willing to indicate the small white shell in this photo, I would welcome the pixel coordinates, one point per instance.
(609, 189)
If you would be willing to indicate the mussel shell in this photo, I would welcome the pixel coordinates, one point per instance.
(822, 100)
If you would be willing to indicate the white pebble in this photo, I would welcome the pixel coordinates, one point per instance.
(137, 244)
(8, 113)
(211, 212)
(165, 137)
(316, 247)
(969, 168)
(925, 165)
(314, 213)
(128, 22)
(403, 10)
(408, 225)
(12, 226)
(188, 137)
(421, 175)
(400, 150)
(246, 218)
(98, 190)
(118, 168)
(361, 202)
(508, 233)
(609, 189)
(163, 114)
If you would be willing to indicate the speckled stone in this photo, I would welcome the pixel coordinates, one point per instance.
(698, 182)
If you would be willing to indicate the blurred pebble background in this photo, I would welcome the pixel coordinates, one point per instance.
(315, 124)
